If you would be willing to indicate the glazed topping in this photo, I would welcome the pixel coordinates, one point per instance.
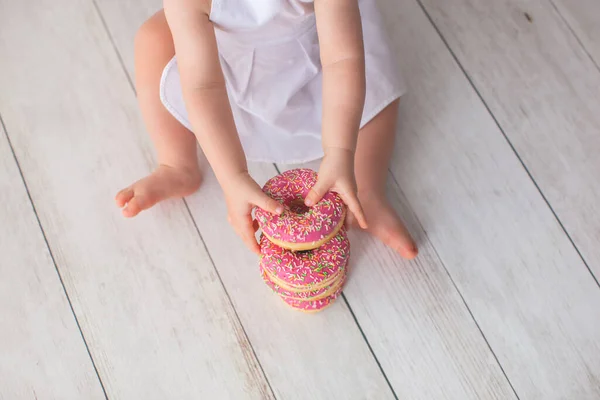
(305, 268)
(298, 223)
(301, 294)
(313, 305)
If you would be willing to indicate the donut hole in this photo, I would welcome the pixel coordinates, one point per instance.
(297, 206)
(302, 252)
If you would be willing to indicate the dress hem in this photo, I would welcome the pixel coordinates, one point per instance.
(182, 120)
(375, 112)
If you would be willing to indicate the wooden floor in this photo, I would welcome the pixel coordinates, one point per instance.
(496, 171)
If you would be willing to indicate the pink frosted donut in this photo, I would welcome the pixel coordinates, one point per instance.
(317, 301)
(306, 270)
(300, 228)
(306, 295)
(313, 305)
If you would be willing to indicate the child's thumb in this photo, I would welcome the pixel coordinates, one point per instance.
(315, 194)
(268, 204)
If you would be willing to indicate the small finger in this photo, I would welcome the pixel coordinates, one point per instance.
(350, 221)
(315, 194)
(246, 231)
(123, 197)
(268, 204)
(250, 240)
(356, 209)
(132, 208)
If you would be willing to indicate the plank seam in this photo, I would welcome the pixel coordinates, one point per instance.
(363, 334)
(131, 84)
(113, 44)
(229, 298)
(577, 38)
(506, 138)
(439, 258)
(10, 145)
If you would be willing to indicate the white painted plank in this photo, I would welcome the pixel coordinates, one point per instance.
(157, 319)
(123, 18)
(43, 354)
(335, 365)
(543, 89)
(326, 349)
(406, 328)
(416, 321)
(524, 282)
(406, 310)
(583, 17)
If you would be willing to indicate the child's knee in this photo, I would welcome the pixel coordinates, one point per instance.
(154, 34)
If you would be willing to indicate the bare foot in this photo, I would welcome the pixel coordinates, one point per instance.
(385, 224)
(165, 182)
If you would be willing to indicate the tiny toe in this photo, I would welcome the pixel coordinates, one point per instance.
(124, 196)
(132, 208)
(404, 244)
(398, 239)
(351, 221)
(138, 204)
(409, 252)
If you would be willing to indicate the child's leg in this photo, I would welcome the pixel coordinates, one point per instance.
(373, 154)
(177, 174)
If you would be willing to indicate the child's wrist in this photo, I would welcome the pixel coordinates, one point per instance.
(339, 150)
(233, 178)
(338, 160)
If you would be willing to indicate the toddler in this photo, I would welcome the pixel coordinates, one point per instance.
(284, 81)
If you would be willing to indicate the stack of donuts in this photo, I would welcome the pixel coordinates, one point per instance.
(304, 251)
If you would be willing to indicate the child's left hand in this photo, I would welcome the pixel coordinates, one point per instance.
(336, 174)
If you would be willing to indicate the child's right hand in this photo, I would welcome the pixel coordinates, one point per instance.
(336, 174)
(242, 194)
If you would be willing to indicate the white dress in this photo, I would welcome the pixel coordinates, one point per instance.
(269, 54)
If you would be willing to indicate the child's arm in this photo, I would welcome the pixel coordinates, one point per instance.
(207, 104)
(343, 60)
(203, 86)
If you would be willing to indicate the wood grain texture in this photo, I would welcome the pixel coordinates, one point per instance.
(527, 287)
(345, 366)
(409, 320)
(43, 354)
(158, 322)
(415, 320)
(326, 350)
(321, 356)
(543, 89)
(123, 18)
(583, 17)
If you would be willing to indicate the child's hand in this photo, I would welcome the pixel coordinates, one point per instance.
(242, 194)
(336, 173)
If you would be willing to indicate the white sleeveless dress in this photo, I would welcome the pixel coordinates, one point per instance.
(269, 54)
